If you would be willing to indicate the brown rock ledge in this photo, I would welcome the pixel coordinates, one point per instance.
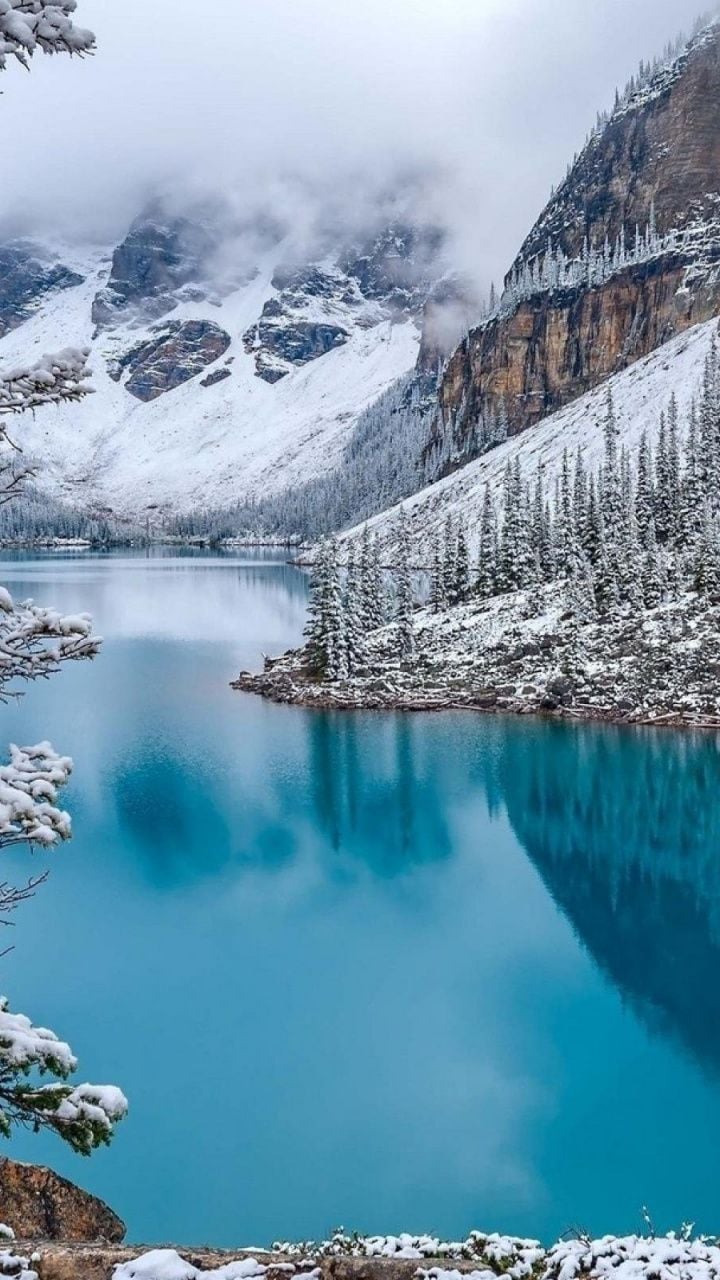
(40, 1205)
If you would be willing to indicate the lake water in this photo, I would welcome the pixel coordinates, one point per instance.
(384, 971)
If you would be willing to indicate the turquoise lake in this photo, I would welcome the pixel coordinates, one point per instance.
(381, 971)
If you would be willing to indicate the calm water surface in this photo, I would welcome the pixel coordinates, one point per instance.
(421, 973)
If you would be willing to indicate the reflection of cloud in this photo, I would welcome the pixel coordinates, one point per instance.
(179, 597)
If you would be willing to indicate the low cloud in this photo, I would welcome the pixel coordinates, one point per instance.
(469, 109)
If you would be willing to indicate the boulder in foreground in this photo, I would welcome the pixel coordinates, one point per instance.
(40, 1205)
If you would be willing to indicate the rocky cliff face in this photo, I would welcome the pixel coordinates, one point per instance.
(178, 352)
(159, 263)
(27, 276)
(388, 276)
(654, 166)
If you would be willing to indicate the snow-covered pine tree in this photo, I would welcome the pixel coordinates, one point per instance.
(449, 557)
(542, 531)
(564, 519)
(84, 1116)
(29, 26)
(629, 562)
(462, 565)
(674, 470)
(438, 595)
(662, 506)
(379, 585)
(709, 433)
(607, 592)
(487, 548)
(527, 563)
(627, 491)
(371, 604)
(645, 493)
(355, 647)
(592, 535)
(653, 570)
(364, 575)
(580, 498)
(706, 557)
(581, 588)
(316, 627)
(611, 504)
(405, 620)
(335, 636)
(691, 493)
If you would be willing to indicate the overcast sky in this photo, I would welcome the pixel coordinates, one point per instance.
(234, 94)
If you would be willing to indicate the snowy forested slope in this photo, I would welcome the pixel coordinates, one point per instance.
(207, 395)
(640, 395)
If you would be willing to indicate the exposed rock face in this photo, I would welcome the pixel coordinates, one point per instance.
(39, 1205)
(662, 148)
(159, 256)
(180, 351)
(281, 341)
(398, 267)
(657, 159)
(553, 350)
(26, 277)
(389, 276)
(217, 375)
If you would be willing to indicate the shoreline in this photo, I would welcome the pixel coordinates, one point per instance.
(404, 1257)
(290, 687)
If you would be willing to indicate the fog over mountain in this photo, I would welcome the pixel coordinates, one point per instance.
(481, 102)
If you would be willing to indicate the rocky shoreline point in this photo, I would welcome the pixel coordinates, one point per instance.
(524, 654)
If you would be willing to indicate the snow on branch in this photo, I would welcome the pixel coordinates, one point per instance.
(85, 1115)
(54, 379)
(29, 787)
(29, 25)
(34, 641)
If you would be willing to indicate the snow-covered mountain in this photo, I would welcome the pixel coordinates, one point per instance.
(221, 371)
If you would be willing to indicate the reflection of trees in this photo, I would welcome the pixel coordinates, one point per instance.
(372, 800)
(279, 583)
(624, 828)
(357, 790)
